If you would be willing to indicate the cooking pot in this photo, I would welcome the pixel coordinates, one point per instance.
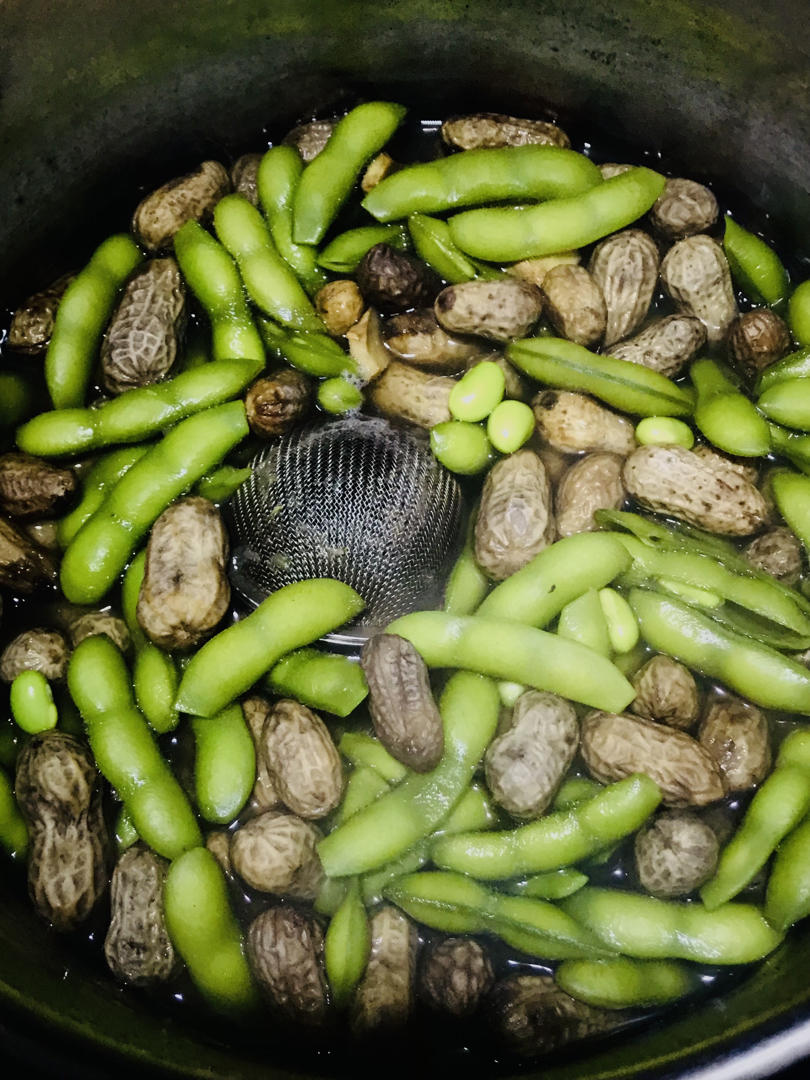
(100, 99)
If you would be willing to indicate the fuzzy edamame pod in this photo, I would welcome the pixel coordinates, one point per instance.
(551, 885)
(224, 765)
(474, 177)
(559, 839)
(344, 254)
(276, 182)
(509, 234)
(434, 246)
(584, 620)
(515, 653)
(366, 751)
(17, 399)
(795, 365)
(221, 483)
(154, 672)
(234, 659)
(754, 265)
(622, 983)
(799, 313)
(646, 928)
(347, 945)
(467, 584)
(269, 281)
(314, 354)
(205, 932)
(100, 477)
(787, 898)
(792, 495)
(125, 750)
(756, 672)
(418, 805)
(791, 445)
(31, 703)
(214, 280)
(81, 317)
(101, 548)
(630, 387)
(727, 418)
(328, 681)
(787, 402)
(327, 180)
(138, 414)
(13, 830)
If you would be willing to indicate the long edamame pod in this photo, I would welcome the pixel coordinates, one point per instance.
(101, 548)
(276, 181)
(755, 266)
(347, 945)
(235, 658)
(728, 419)
(344, 254)
(787, 898)
(224, 765)
(99, 478)
(622, 983)
(321, 680)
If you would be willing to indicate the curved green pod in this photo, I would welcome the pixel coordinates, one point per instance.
(754, 265)
(96, 482)
(224, 764)
(795, 365)
(787, 402)
(799, 313)
(276, 181)
(322, 680)
(622, 983)
(727, 418)
(344, 254)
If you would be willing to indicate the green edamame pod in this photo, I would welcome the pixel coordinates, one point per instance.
(314, 354)
(13, 830)
(787, 402)
(475, 177)
(552, 885)
(630, 387)
(346, 946)
(563, 224)
(562, 838)
(269, 281)
(210, 943)
(100, 477)
(339, 396)
(422, 801)
(755, 266)
(276, 181)
(224, 765)
(799, 313)
(327, 681)
(467, 584)
(725, 415)
(154, 672)
(575, 790)
(81, 317)
(583, 620)
(795, 365)
(787, 898)
(214, 280)
(327, 180)
(101, 548)
(31, 703)
(516, 653)
(677, 537)
(125, 832)
(344, 254)
(650, 929)
(368, 751)
(363, 787)
(138, 414)
(17, 399)
(791, 493)
(792, 445)
(434, 246)
(621, 983)
(125, 750)
(559, 574)
(234, 659)
(762, 675)
(221, 483)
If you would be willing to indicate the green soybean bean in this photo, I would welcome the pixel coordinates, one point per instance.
(434, 246)
(799, 313)
(276, 181)
(344, 254)
(31, 703)
(154, 672)
(138, 414)
(13, 830)
(477, 393)
(326, 681)
(583, 620)
(473, 177)
(762, 675)
(205, 932)
(754, 265)
(788, 402)
(794, 366)
(510, 425)
(461, 447)
(224, 764)
(125, 832)
(125, 750)
(339, 396)
(509, 692)
(559, 839)
(787, 898)
(269, 281)
(17, 399)
(100, 550)
(559, 574)
(562, 224)
(727, 418)
(422, 801)
(314, 354)
(664, 431)
(630, 387)
(621, 983)
(467, 584)
(98, 479)
(214, 280)
(221, 483)
(327, 180)
(622, 628)
(778, 806)
(81, 317)
(347, 946)
(552, 885)
(368, 751)
(678, 537)
(791, 493)
(508, 651)
(234, 659)
(650, 929)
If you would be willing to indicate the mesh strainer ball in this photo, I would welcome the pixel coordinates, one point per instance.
(355, 499)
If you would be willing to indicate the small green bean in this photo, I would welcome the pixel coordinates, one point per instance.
(477, 393)
(621, 983)
(32, 704)
(224, 764)
(460, 446)
(755, 266)
(13, 830)
(314, 354)
(434, 246)
(563, 224)
(125, 832)
(344, 254)
(727, 418)
(205, 932)
(347, 946)
(787, 402)
(221, 483)
(467, 584)
(327, 180)
(583, 620)
(509, 426)
(622, 626)
(327, 681)
(231, 662)
(664, 431)
(552, 885)
(339, 396)
(96, 482)
(81, 317)
(474, 177)
(799, 313)
(509, 692)
(277, 180)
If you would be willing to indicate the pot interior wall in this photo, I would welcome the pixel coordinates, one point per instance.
(100, 101)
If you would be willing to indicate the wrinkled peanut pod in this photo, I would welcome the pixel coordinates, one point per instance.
(392, 280)
(747, 468)
(24, 565)
(366, 346)
(683, 208)
(256, 710)
(497, 310)
(574, 305)
(484, 130)
(778, 552)
(218, 842)
(32, 323)
(310, 138)
(737, 737)
(615, 746)
(243, 176)
(340, 304)
(667, 345)
(696, 275)
(275, 853)
(40, 650)
(456, 973)
(302, 760)
(275, 403)
(757, 339)
(625, 266)
(675, 853)
(137, 947)
(416, 337)
(284, 947)
(32, 488)
(187, 198)
(514, 520)
(572, 422)
(525, 765)
(535, 270)
(405, 393)
(100, 622)
(592, 483)
(384, 996)
(672, 480)
(666, 691)
(531, 1014)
